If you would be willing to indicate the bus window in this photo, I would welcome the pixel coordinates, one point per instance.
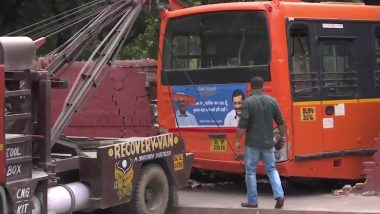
(216, 48)
(185, 52)
(304, 81)
(377, 59)
(338, 78)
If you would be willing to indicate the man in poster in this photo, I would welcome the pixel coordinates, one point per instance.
(232, 118)
(183, 117)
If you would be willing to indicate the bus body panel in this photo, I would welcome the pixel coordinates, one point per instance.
(353, 130)
(350, 168)
(307, 141)
(331, 11)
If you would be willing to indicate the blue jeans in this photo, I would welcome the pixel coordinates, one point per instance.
(251, 158)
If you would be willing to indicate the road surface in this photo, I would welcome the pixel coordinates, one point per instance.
(226, 198)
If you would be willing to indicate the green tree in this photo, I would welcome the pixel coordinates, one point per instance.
(16, 15)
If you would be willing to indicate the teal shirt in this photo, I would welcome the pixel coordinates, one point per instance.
(258, 112)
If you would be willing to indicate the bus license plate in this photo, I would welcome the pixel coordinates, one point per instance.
(218, 144)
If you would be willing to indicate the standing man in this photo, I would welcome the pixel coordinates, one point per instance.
(232, 118)
(258, 112)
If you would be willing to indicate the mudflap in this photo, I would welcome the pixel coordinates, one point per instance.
(179, 165)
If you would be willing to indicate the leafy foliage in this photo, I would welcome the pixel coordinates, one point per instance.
(145, 43)
(17, 14)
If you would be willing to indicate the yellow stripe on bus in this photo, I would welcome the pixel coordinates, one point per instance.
(1, 147)
(374, 100)
(332, 102)
(307, 103)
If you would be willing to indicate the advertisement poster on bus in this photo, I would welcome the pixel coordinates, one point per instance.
(208, 105)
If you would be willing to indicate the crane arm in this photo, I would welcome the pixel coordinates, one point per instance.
(93, 72)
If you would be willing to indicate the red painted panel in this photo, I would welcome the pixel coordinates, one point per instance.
(2, 158)
(119, 107)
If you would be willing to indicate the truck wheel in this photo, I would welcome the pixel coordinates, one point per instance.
(151, 195)
(173, 196)
(3, 201)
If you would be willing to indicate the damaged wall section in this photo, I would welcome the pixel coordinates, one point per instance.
(120, 107)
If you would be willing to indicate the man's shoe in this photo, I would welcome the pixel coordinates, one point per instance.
(279, 203)
(246, 204)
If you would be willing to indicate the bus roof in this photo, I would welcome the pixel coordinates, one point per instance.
(331, 10)
(219, 7)
(304, 10)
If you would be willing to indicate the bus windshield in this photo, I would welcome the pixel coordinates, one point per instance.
(233, 42)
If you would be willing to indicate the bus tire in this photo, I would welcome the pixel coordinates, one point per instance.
(151, 195)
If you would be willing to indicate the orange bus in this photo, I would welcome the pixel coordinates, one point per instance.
(320, 60)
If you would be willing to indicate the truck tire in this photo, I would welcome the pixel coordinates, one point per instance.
(173, 197)
(151, 195)
(3, 201)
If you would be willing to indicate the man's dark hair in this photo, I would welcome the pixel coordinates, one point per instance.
(257, 82)
(238, 92)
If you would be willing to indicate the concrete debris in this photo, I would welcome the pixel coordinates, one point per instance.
(194, 184)
(346, 190)
(372, 170)
(198, 185)
(337, 192)
(370, 193)
(371, 187)
(359, 188)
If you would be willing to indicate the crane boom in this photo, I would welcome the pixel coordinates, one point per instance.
(93, 71)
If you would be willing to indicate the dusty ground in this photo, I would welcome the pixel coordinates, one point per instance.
(298, 198)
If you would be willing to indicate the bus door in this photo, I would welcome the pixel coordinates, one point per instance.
(339, 94)
(307, 109)
(340, 68)
(348, 86)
